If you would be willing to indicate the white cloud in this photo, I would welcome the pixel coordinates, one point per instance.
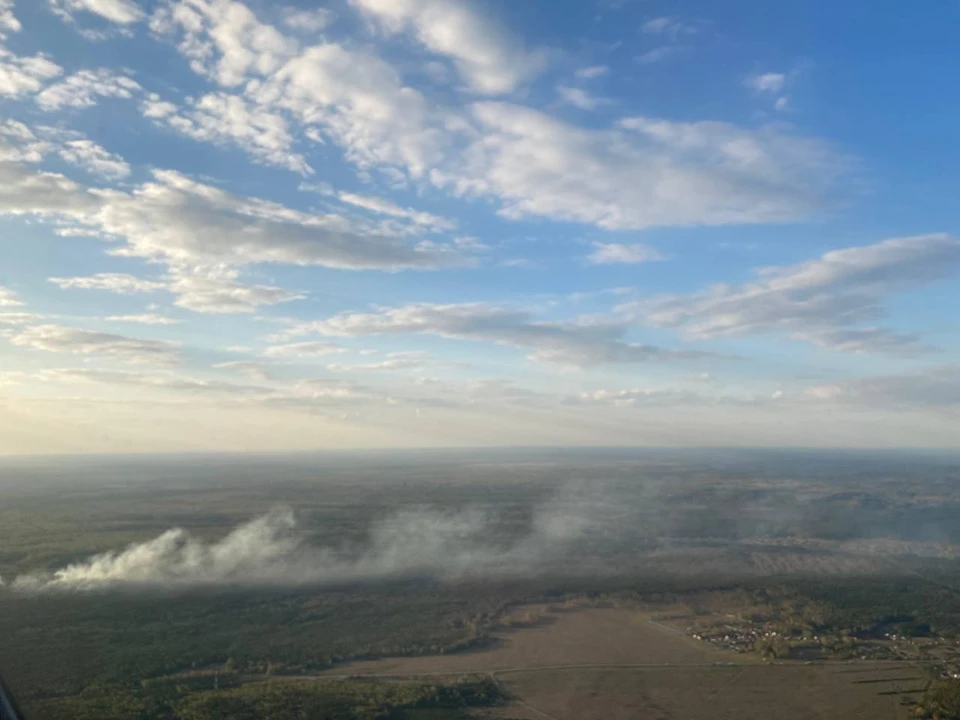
(488, 58)
(123, 12)
(204, 290)
(8, 298)
(937, 387)
(16, 318)
(770, 84)
(413, 360)
(120, 283)
(645, 173)
(178, 219)
(308, 396)
(218, 291)
(225, 119)
(660, 54)
(247, 368)
(629, 253)
(94, 158)
(577, 344)
(594, 71)
(767, 82)
(160, 381)
(183, 222)
(639, 174)
(82, 89)
(634, 397)
(383, 206)
(59, 339)
(468, 243)
(223, 39)
(308, 21)
(155, 108)
(360, 102)
(18, 143)
(671, 27)
(143, 319)
(867, 339)
(581, 98)
(25, 192)
(303, 350)
(8, 21)
(25, 75)
(816, 300)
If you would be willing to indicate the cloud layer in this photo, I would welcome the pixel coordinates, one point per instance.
(178, 220)
(571, 343)
(77, 341)
(817, 300)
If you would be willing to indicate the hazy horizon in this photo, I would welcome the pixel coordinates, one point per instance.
(232, 225)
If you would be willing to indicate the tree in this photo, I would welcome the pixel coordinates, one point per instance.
(943, 700)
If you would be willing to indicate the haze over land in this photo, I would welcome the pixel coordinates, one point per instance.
(460, 516)
(475, 579)
(578, 359)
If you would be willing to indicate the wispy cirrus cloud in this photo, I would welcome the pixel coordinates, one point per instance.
(383, 206)
(627, 253)
(406, 360)
(17, 318)
(143, 319)
(247, 368)
(303, 350)
(200, 289)
(123, 12)
(771, 82)
(570, 343)
(8, 298)
(181, 221)
(592, 71)
(580, 98)
(937, 388)
(78, 341)
(669, 26)
(822, 300)
(121, 283)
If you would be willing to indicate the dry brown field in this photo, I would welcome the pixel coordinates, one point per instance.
(619, 664)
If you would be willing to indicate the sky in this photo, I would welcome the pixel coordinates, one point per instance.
(232, 225)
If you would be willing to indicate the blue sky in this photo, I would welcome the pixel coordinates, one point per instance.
(393, 223)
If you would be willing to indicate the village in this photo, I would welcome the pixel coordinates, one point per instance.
(775, 642)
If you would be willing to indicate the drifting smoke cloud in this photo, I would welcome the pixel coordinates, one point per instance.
(587, 528)
(273, 550)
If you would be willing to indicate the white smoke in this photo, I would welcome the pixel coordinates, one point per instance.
(273, 550)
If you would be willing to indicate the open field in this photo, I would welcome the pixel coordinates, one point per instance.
(593, 636)
(158, 589)
(612, 664)
(759, 692)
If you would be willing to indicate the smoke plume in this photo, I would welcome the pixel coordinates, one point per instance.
(274, 550)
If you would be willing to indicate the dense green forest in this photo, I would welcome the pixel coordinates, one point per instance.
(274, 699)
